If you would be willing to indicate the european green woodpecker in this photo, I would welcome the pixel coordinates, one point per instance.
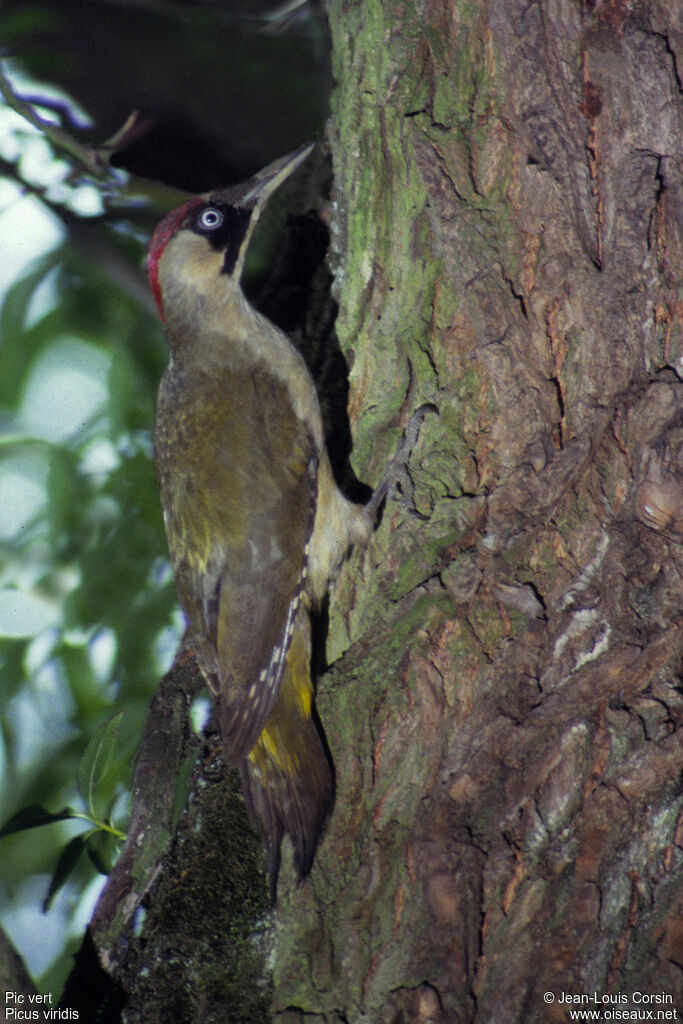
(256, 525)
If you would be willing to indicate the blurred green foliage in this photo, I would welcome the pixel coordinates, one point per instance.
(83, 568)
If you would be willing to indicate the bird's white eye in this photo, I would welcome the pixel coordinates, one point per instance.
(211, 218)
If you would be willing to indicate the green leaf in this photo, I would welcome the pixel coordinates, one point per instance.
(17, 355)
(96, 760)
(101, 848)
(65, 865)
(67, 502)
(33, 817)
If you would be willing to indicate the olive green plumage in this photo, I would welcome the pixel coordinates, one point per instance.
(256, 526)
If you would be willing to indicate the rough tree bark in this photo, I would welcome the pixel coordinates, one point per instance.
(501, 700)
(501, 704)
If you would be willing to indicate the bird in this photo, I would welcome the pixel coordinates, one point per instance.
(255, 523)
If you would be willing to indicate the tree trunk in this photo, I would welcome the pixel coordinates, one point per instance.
(501, 704)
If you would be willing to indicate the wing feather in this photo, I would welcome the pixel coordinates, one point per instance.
(239, 483)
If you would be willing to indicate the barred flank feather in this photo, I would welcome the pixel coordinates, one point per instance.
(287, 778)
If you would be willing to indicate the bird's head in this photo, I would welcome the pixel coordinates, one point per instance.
(209, 236)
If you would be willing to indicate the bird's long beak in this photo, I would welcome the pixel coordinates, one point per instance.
(261, 187)
(252, 195)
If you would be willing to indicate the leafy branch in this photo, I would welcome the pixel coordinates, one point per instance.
(97, 841)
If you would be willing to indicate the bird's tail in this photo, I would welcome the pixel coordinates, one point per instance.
(287, 777)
